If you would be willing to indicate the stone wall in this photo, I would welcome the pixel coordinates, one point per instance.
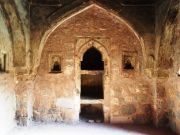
(131, 98)
(172, 86)
(167, 64)
(5, 42)
(16, 20)
(66, 32)
(43, 17)
(14, 45)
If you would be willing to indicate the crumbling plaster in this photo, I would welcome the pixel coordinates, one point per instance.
(25, 29)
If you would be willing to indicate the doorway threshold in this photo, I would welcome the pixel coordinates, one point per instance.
(92, 101)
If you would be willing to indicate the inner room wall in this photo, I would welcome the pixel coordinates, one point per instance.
(45, 42)
(128, 93)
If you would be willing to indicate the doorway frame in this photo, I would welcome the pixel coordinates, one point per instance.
(81, 48)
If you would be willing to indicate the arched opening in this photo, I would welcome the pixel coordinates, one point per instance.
(56, 65)
(79, 47)
(92, 68)
(92, 77)
(127, 63)
(92, 60)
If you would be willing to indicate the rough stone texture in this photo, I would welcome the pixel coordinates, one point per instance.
(14, 42)
(173, 87)
(149, 93)
(168, 65)
(17, 25)
(92, 27)
(128, 109)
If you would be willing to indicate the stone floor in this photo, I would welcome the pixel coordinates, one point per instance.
(89, 129)
(146, 130)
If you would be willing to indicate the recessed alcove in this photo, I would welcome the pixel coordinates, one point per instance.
(92, 85)
(127, 63)
(3, 63)
(55, 63)
(92, 60)
(92, 95)
(56, 67)
(178, 73)
(92, 68)
(92, 113)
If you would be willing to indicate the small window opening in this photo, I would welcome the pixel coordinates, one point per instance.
(128, 63)
(3, 63)
(4, 69)
(178, 73)
(56, 66)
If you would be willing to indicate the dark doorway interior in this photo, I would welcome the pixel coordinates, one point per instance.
(92, 60)
(92, 78)
(3, 63)
(91, 86)
(92, 113)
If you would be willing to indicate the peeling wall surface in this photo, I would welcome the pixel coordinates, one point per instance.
(90, 27)
(173, 86)
(14, 40)
(43, 44)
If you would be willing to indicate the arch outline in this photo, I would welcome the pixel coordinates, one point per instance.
(88, 6)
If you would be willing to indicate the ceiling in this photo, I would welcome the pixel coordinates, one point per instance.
(124, 2)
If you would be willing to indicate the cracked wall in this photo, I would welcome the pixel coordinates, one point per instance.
(23, 31)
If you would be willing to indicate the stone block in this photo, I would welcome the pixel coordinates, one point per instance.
(128, 109)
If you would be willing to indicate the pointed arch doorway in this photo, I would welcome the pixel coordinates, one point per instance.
(92, 80)
(92, 68)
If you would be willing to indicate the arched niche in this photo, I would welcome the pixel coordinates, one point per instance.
(104, 93)
(92, 60)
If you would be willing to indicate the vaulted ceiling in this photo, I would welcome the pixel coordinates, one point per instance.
(42, 9)
(123, 2)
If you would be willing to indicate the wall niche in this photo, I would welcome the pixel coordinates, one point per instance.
(55, 63)
(3, 63)
(129, 63)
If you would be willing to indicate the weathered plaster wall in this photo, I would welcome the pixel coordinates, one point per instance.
(43, 17)
(152, 91)
(14, 42)
(173, 86)
(167, 50)
(23, 11)
(160, 102)
(5, 42)
(130, 97)
(7, 93)
(16, 29)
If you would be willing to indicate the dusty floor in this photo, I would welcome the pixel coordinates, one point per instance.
(146, 130)
(89, 129)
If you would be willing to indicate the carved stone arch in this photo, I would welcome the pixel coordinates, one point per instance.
(79, 43)
(73, 14)
(90, 44)
(106, 76)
